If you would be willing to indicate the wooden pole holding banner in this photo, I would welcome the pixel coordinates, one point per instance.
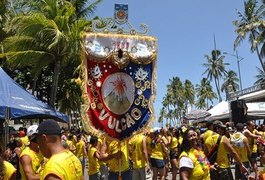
(120, 177)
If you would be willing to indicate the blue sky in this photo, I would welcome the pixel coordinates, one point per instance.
(185, 31)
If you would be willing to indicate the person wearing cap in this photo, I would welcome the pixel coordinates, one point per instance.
(62, 163)
(30, 158)
(222, 164)
(240, 143)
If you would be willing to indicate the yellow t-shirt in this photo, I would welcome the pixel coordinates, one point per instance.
(138, 156)
(80, 149)
(93, 162)
(113, 164)
(36, 159)
(65, 165)
(237, 140)
(156, 149)
(207, 134)
(148, 144)
(174, 143)
(222, 159)
(9, 170)
(180, 140)
(201, 169)
(100, 142)
(71, 146)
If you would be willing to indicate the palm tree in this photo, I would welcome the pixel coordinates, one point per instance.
(51, 35)
(260, 77)
(84, 8)
(178, 97)
(189, 93)
(205, 94)
(215, 69)
(251, 24)
(232, 80)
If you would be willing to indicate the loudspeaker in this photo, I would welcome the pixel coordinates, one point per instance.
(239, 111)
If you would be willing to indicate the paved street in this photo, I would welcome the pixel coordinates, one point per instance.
(149, 177)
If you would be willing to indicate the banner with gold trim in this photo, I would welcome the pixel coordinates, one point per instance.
(118, 83)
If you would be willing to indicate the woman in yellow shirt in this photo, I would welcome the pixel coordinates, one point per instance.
(158, 152)
(193, 163)
(93, 157)
(7, 170)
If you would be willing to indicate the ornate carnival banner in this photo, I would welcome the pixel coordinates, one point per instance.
(119, 83)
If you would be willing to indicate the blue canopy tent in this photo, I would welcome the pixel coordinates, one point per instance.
(22, 104)
(17, 103)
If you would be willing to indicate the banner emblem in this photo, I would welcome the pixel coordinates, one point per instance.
(121, 13)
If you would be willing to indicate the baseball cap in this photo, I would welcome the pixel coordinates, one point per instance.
(219, 124)
(32, 132)
(49, 127)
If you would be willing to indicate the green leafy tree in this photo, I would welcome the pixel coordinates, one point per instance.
(260, 76)
(205, 94)
(251, 25)
(178, 98)
(215, 69)
(189, 93)
(230, 79)
(49, 36)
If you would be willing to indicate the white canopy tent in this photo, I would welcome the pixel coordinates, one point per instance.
(221, 111)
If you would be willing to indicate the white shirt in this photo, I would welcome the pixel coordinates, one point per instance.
(185, 162)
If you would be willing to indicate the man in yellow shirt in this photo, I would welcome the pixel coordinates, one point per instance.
(62, 164)
(208, 132)
(117, 156)
(240, 143)
(252, 134)
(223, 170)
(139, 157)
(30, 159)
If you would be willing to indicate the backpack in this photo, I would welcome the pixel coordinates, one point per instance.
(212, 155)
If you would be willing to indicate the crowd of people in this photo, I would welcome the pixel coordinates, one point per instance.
(47, 151)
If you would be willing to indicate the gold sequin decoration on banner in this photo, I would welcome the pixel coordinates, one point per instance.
(89, 82)
(95, 99)
(93, 105)
(137, 101)
(143, 88)
(138, 84)
(147, 84)
(99, 106)
(144, 103)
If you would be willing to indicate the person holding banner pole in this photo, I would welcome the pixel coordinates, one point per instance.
(104, 171)
(112, 156)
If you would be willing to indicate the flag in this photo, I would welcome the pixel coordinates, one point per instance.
(118, 83)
